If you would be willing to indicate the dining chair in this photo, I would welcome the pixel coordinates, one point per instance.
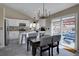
(31, 36)
(44, 44)
(55, 43)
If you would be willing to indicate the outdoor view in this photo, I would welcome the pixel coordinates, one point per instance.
(69, 32)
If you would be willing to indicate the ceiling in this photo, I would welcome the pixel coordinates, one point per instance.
(31, 9)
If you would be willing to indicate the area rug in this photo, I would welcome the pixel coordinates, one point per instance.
(70, 49)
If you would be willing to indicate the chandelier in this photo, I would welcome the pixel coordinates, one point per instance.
(41, 14)
(44, 14)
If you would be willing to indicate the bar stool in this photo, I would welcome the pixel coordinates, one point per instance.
(23, 35)
(22, 30)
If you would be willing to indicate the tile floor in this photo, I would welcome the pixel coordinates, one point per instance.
(14, 49)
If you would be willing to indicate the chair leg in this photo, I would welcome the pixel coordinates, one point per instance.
(25, 38)
(52, 50)
(27, 44)
(49, 51)
(21, 39)
(58, 49)
(40, 51)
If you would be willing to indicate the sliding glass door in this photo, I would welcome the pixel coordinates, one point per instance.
(66, 26)
(69, 31)
(56, 27)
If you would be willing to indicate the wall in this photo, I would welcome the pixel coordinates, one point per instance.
(74, 9)
(1, 27)
(77, 31)
(48, 25)
(13, 14)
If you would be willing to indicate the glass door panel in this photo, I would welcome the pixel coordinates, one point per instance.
(68, 31)
(56, 27)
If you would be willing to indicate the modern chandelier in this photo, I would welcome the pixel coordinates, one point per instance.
(44, 14)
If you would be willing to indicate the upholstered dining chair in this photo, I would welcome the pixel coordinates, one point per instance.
(31, 36)
(55, 43)
(44, 44)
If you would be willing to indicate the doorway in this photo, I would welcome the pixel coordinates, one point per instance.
(69, 31)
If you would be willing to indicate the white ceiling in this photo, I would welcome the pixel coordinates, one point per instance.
(31, 9)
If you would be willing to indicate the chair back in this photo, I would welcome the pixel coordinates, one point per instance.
(56, 38)
(45, 40)
(32, 35)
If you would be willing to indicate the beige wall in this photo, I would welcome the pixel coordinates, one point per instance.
(74, 9)
(1, 16)
(48, 25)
(1, 27)
(77, 31)
(13, 14)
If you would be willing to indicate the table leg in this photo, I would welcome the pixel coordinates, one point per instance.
(33, 50)
(27, 44)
